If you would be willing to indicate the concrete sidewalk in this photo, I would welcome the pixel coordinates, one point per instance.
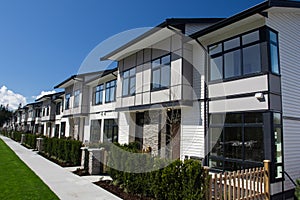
(62, 182)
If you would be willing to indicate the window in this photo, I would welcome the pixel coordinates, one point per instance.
(128, 82)
(47, 111)
(67, 102)
(110, 91)
(58, 108)
(161, 72)
(110, 130)
(244, 55)
(98, 94)
(274, 52)
(76, 98)
(235, 140)
(95, 131)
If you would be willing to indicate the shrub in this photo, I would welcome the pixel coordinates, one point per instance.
(178, 180)
(63, 149)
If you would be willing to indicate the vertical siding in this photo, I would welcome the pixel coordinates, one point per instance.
(192, 131)
(124, 127)
(288, 26)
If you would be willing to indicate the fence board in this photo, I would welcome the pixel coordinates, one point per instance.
(242, 184)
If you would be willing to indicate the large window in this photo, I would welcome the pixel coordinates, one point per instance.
(98, 94)
(67, 101)
(244, 55)
(161, 73)
(110, 91)
(236, 140)
(110, 130)
(76, 98)
(128, 82)
(95, 131)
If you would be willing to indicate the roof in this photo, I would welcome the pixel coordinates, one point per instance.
(103, 73)
(49, 96)
(175, 22)
(244, 14)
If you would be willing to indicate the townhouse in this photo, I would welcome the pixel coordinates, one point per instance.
(220, 90)
(33, 121)
(227, 93)
(49, 107)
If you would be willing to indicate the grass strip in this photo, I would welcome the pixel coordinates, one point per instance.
(17, 181)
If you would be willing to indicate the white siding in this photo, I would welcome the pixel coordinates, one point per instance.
(192, 131)
(288, 26)
(291, 135)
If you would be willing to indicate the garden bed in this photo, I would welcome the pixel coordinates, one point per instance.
(116, 190)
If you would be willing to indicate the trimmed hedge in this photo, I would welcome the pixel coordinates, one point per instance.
(65, 150)
(178, 180)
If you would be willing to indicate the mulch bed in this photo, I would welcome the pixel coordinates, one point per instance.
(107, 185)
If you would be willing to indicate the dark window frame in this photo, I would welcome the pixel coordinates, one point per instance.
(98, 90)
(110, 125)
(76, 102)
(131, 78)
(263, 39)
(242, 162)
(67, 101)
(108, 90)
(159, 68)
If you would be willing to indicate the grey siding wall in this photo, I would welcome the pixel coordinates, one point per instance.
(288, 26)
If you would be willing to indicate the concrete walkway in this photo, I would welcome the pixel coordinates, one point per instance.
(62, 182)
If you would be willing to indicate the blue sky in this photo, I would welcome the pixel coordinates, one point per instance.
(43, 42)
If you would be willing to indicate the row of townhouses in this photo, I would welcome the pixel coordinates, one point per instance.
(222, 90)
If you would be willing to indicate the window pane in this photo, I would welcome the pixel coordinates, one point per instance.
(233, 118)
(253, 144)
(278, 171)
(278, 145)
(112, 94)
(107, 95)
(132, 72)
(132, 85)
(156, 79)
(95, 131)
(165, 74)
(277, 118)
(216, 119)
(216, 141)
(250, 37)
(274, 59)
(232, 43)
(165, 60)
(156, 63)
(125, 74)
(253, 118)
(216, 68)
(273, 37)
(233, 142)
(125, 86)
(251, 59)
(232, 64)
(217, 48)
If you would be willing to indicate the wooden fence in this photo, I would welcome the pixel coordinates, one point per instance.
(243, 184)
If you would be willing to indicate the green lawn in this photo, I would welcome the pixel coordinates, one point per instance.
(17, 181)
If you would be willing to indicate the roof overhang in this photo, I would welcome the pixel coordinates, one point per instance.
(144, 41)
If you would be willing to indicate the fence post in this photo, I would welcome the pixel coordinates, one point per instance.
(267, 179)
(208, 194)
